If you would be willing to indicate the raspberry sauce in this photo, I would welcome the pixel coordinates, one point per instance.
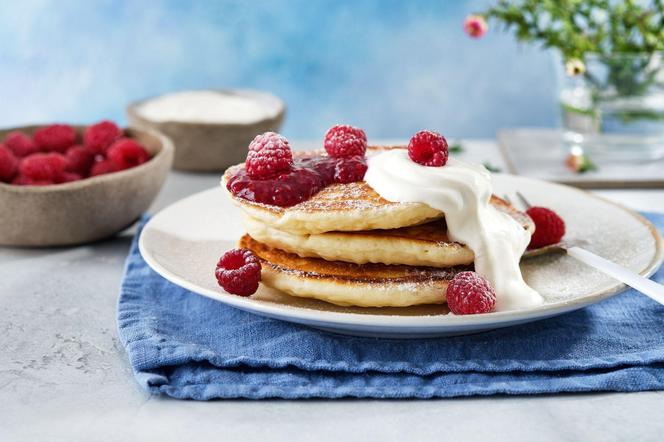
(307, 177)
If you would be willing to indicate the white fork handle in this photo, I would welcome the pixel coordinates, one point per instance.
(644, 285)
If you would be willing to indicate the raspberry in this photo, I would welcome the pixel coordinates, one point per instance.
(238, 272)
(269, 155)
(79, 160)
(21, 144)
(126, 153)
(55, 138)
(549, 227)
(100, 136)
(43, 166)
(68, 177)
(103, 167)
(350, 170)
(23, 180)
(8, 164)
(468, 294)
(344, 141)
(428, 149)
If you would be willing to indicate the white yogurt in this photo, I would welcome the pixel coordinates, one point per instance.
(210, 107)
(462, 191)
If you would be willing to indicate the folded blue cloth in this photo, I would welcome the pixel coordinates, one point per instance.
(188, 346)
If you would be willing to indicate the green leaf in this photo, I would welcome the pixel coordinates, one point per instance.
(455, 148)
(581, 27)
(491, 168)
(587, 165)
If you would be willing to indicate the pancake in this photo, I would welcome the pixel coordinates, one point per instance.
(338, 207)
(346, 284)
(421, 245)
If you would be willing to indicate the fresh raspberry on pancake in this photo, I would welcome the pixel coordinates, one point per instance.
(343, 141)
(350, 170)
(549, 227)
(238, 272)
(428, 149)
(269, 155)
(55, 138)
(468, 293)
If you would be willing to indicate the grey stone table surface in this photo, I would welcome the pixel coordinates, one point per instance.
(64, 375)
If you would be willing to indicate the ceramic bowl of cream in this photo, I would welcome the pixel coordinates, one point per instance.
(210, 129)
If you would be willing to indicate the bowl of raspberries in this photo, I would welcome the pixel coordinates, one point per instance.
(64, 185)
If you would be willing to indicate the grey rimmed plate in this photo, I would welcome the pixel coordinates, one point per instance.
(184, 241)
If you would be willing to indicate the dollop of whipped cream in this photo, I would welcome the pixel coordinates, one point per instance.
(462, 191)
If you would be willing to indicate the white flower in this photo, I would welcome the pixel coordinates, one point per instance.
(575, 67)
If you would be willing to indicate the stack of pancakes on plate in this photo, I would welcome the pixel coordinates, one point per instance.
(348, 246)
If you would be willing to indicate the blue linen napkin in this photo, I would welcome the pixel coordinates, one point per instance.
(188, 346)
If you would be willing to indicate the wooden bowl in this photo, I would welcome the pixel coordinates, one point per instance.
(85, 210)
(211, 147)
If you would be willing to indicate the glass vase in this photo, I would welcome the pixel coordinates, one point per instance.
(614, 111)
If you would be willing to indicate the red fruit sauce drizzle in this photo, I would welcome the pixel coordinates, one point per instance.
(307, 177)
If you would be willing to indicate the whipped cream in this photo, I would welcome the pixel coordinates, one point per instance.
(462, 191)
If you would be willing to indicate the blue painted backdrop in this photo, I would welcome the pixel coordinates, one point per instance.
(392, 67)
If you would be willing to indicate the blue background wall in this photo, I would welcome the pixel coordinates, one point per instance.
(392, 67)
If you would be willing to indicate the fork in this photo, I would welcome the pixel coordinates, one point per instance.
(644, 285)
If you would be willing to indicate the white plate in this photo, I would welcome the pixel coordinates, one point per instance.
(184, 241)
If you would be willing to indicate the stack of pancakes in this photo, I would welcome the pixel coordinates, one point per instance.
(348, 246)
